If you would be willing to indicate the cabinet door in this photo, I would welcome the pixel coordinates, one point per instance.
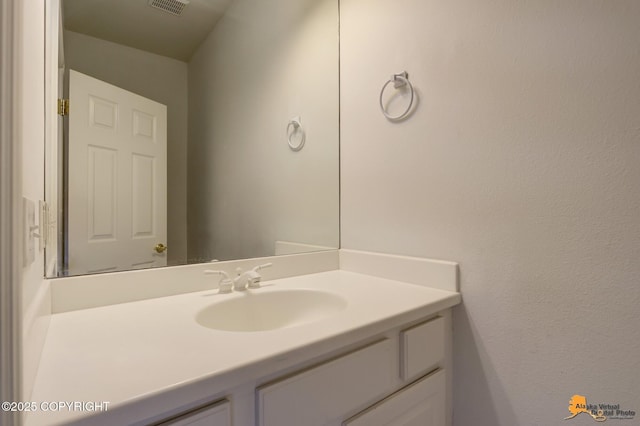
(421, 348)
(218, 414)
(422, 403)
(325, 394)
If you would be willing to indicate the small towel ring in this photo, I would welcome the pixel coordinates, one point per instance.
(297, 125)
(398, 80)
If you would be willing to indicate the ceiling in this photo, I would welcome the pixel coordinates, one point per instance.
(136, 24)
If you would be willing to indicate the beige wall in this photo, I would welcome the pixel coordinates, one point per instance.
(522, 162)
(160, 79)
(264, 63)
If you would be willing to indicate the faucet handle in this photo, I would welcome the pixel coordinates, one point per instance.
(225, 285)
(266, 265)
(254, 277)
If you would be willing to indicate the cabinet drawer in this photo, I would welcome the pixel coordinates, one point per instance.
(421, 348)
(329, 391)
(420, 404)
(218, 414)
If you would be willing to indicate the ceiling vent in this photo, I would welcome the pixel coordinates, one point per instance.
(174, 7)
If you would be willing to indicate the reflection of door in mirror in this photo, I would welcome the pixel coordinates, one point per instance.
(117, 178)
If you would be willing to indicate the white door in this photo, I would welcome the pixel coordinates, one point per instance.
(117, 178)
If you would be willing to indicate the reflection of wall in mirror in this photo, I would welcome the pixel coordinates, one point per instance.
(155, 77)
(264, 63)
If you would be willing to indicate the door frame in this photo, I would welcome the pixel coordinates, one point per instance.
(10, 209)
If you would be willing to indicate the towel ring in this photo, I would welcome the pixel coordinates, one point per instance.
(398, 80)
(297, 125)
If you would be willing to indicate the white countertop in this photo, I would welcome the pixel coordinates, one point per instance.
(153, 354)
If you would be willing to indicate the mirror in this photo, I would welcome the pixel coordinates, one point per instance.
(197, 131)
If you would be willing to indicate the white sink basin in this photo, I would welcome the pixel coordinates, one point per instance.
(255, 311)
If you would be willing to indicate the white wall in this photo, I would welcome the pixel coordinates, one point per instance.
(158, 78)
(264, 63)
(36, 300)
(522, 162)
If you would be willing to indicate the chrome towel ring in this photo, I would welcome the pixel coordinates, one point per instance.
(398, 80)
(295, 126)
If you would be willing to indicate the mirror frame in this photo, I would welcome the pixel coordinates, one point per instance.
(55, 234)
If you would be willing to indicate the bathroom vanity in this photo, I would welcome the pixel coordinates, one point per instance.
(339, 347)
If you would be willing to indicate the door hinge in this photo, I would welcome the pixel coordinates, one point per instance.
(63, 107)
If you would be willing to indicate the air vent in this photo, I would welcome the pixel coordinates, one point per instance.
(174, 7)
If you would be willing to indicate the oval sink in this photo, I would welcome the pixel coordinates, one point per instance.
(270, 310)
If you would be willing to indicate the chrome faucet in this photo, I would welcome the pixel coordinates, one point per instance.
(248, 279)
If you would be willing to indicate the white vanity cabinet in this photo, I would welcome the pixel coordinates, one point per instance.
(385, 358)
(217, 414)
(385, 381)
(398, 378)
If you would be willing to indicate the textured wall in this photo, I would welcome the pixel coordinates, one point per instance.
(160, 79)
(264, 63)
(522, 162)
